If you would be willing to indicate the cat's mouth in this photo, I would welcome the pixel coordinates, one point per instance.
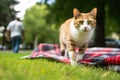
(85, 30)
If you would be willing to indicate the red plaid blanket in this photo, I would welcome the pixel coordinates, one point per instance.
(91, 55)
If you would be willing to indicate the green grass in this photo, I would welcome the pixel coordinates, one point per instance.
(14, 68)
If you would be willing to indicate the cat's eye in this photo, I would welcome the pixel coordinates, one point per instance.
(81, 22)
(90, 22)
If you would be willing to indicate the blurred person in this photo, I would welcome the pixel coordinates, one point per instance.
(15, 33)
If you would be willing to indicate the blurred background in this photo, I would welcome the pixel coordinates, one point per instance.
(42, 19)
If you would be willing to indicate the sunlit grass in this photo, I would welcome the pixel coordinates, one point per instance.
(14, 68)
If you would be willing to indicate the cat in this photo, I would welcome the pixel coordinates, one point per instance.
(77, 32)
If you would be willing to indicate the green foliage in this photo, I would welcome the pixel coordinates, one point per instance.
(14, 68)
(6, 11)
(112, 17)
(63, 9)
(111, 26)
(36, 25)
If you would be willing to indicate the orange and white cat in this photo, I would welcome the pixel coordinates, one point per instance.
(77, 32)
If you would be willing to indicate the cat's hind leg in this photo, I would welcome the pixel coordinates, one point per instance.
(62, 48)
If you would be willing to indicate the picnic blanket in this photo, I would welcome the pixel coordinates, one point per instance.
(93, 56)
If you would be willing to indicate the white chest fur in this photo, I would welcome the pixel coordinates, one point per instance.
(79, 36)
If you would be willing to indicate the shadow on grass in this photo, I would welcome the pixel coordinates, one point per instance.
(48, 59)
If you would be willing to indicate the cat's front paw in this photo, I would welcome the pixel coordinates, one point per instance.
(73, 63)
(79, 57)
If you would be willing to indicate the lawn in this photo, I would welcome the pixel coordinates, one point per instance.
(14, 68)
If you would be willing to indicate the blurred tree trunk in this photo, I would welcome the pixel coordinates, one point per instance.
(35, 41)
(100, 28)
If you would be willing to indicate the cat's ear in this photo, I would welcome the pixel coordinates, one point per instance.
(93, 12)
(76, 13)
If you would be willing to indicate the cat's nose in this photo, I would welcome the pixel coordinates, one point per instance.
(85, 28)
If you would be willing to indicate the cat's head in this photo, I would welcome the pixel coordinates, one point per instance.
(85, 21)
